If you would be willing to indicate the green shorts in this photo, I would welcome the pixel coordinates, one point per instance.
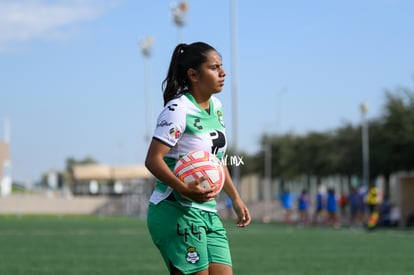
(188, 238)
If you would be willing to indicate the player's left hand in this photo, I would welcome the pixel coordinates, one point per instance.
(243, 214)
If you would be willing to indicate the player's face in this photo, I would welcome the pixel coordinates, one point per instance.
(210, 80)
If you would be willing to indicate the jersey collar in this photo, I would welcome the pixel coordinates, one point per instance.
(192, 99)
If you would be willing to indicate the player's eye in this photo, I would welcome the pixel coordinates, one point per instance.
(216, 67)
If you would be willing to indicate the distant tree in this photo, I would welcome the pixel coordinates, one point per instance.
(316, 154)
(396, 135)
(294, 155)
(391, 141)
(285, 155)
(348, 149)
(280, 150)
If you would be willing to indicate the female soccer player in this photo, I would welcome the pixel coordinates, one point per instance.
(188, 232)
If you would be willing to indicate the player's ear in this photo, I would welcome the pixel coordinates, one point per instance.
(192, 74)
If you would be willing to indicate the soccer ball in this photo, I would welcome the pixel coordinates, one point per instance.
(197, 164)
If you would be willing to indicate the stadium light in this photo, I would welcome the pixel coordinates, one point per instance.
(179, 12)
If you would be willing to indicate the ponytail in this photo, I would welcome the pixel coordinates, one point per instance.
(183, 58)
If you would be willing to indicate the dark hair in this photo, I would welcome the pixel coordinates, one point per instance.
(184, 57)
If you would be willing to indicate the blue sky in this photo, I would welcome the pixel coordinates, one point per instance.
(72, 73)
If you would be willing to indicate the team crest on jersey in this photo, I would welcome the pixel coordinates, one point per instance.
(220, 118)
(192, 256)
(175, 133)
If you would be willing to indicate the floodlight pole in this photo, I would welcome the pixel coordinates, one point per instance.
(267, 166)
(146, 46)
(234, 88)
(365, 144)
(179, 13)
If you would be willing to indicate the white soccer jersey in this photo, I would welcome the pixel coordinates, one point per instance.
(184, 126)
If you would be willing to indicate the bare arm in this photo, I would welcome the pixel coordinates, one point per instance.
(243, 214)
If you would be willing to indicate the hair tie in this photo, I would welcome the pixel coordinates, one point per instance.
(183, 48)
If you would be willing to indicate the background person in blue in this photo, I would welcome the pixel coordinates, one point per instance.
(319, 215)
(356, 208)
(286, 199)
(332, 207)
(303, 207)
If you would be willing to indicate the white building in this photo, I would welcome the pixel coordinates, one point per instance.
(5, 169)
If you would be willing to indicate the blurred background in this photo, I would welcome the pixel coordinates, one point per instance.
(318, 95)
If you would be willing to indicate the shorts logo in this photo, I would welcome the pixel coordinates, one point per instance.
(192, 256)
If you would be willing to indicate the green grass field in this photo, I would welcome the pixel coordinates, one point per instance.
(33, 245)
